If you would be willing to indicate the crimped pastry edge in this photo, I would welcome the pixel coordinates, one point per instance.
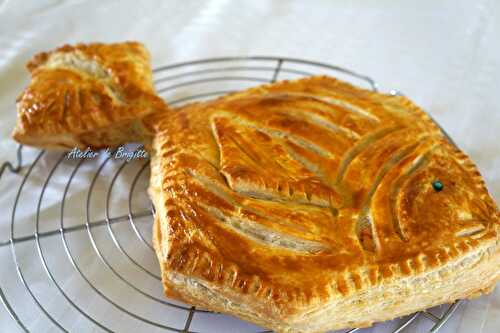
(466, 277)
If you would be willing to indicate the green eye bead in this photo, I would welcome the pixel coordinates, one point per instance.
(437, 185)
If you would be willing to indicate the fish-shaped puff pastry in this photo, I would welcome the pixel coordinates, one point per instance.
(313, 205)
(87, 95)
(304, 206)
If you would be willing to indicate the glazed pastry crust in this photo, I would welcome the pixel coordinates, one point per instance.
(87, 95)
(309, 205)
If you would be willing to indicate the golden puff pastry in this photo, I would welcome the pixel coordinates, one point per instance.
(302, 206)
(313, 205)
(87, 95)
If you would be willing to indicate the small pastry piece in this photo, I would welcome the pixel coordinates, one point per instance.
(313, 205)
(87, 95)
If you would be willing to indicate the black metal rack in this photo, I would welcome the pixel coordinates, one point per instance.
(110, 274)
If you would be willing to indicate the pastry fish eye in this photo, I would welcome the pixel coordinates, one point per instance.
(437, 185)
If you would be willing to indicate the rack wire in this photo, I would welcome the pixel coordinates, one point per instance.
(84, 262)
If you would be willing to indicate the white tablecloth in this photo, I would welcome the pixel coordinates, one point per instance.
(445, 55)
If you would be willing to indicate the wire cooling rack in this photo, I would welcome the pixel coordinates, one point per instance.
(75, 243)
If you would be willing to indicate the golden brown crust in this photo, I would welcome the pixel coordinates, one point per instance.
(86, 95)
(288, 201)
(303, 206)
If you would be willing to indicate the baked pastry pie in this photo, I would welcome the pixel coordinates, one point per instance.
(302, 206)
(312, 205)
(87, 95)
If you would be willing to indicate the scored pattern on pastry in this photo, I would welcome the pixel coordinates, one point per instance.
(245, 226)
(297, 173)
(231, 133)
(420, 162)
(360, 146)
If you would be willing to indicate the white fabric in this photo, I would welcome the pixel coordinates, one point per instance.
(445, 55)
